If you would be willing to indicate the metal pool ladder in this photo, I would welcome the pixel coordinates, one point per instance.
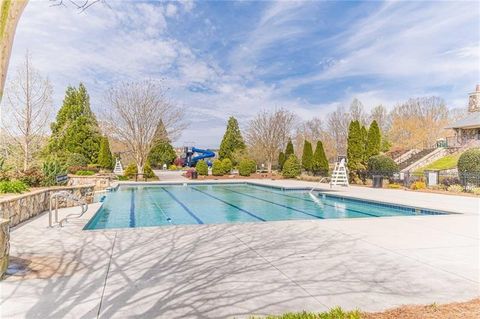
(67, 196)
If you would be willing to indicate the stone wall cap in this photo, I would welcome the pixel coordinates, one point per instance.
(42, 190)
(4, 221)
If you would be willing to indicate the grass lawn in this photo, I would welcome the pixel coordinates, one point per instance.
(446, 162)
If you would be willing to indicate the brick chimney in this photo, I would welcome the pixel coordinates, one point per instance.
(474, 100)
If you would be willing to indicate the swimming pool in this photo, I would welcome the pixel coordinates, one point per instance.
(157, 205)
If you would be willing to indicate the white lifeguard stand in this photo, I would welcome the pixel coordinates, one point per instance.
(118, 170)
(340, 173)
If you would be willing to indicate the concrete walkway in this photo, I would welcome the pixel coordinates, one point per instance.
(218, 271)
(170, 176)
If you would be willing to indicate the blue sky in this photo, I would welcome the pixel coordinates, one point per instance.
(223, 58)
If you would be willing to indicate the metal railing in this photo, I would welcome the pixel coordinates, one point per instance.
(66, 196)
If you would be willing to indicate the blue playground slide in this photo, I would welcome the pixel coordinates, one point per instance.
(192, 160)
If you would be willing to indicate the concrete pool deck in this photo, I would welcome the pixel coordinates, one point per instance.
(218, 271)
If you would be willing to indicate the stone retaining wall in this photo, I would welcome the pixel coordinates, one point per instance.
(20, 208)
(101, 182)
(4, 245)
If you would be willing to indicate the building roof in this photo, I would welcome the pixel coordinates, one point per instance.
(471, 121)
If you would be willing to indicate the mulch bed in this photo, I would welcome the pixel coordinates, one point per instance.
(458, 310)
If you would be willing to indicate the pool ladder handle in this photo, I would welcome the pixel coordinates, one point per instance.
(68, 196)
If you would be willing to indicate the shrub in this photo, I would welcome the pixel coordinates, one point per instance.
(244, 167)
(32, 177)
(75, 169)
(85, 173)
(51, 169)
(148, 172)
(202, 168)
(227, 165)
(469, 161)
(122, 178)
(394, 186)
(217, 168)
(418, 185)
(382, 165)
(447, 181)
(75, 159)
(252, 165)
(476, 190)
(179, 162)
(14, 186)
(173, 167)
(131, 170)
(292, 167)
(455, 188)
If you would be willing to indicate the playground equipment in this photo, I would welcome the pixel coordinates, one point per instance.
(191, 160)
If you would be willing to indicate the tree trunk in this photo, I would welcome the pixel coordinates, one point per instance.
(10, 13)
(269, 167)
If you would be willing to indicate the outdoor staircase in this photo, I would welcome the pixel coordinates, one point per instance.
(414, 158)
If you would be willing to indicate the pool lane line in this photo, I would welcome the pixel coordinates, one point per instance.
(132, 209)
(281, 205)
(167, 218)
(330, 205)
(199, 221)
(230, 204)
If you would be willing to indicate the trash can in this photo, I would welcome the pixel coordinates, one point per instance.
(377, 181)
(194, 175)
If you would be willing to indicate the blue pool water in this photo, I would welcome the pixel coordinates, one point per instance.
(156, 205)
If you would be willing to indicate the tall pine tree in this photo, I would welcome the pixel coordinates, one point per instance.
(355, 147)
(320, 162)
(374, 140)
(75, 129)
(232, 140)
(162, 152)
(289, 150)
(105, 158)
(307, 156)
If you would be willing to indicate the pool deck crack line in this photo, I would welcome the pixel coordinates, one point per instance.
(106, 275)
(284, 274)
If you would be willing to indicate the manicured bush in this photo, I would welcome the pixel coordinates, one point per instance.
(252, 165)
(320, 162)
(179, 162)
(85, 173)
(418, 185)
(455, 188)
(227, 165)
(202, 168)
(334, 313)
(382, 165)
(173, 167)
(32, 177)
(217, 169)
(51, 169)
(281, 160)
(122, 178)
(131, 170)
(14, 186)
(292, 167)
(147, 171)
(476, 190)
(307, 156)
(75, 159)
(469, 161)
(394, 186)
(244, 167)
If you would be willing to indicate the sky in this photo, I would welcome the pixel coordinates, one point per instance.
(235, 58)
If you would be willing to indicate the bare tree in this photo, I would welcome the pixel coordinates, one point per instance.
(28, 106)
(11, 12)
(337, 125)
(418, 122)
(268, 133)
(314, 130)
(132, 112)
(357, 112)
(380, 114)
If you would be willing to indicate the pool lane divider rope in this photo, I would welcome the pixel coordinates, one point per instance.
(199, 221)
(132, 209)
(267, 201)
(330, 205)
(230, 204)
(167, 218)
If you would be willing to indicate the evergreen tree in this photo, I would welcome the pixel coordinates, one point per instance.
(292, 167)
(307, 156)
(374, 140)
(281, 160)
(364, 133)
(232, 140)
(289, 150)
(75, 129)
(320, 162)
(105, 158)
(355, 147)
(162, 152)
